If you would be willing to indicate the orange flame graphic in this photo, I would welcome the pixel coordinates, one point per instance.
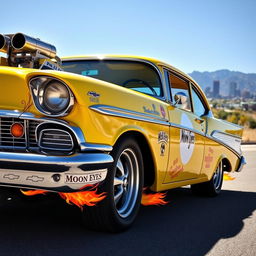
(80, 198)
(153, 198)
(89, 198)
(226, 176)
(33, 192)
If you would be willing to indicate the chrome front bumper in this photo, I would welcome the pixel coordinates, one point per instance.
(53, 173)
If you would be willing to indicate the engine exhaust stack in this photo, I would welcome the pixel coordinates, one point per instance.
(27, 52)
(4, 43)
(23, 43)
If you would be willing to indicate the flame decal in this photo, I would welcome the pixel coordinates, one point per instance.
(80, 198)
(89, 198)
(33, 192)
(226, 176)
(153, 198)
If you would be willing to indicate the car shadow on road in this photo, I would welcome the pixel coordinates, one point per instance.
(188, 225)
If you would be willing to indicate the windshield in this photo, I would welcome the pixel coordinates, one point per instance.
(134, 75)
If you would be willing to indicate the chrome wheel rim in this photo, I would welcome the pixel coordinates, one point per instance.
(217, 177)
(126, 182)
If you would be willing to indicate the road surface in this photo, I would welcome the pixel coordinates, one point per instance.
(187, 226)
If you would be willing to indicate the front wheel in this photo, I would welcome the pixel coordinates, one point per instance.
(212, 187)
(123, 186)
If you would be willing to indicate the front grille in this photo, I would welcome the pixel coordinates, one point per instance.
(26, 141)
(55, 139)
(6, 138)
(32, 133)
(38, 136)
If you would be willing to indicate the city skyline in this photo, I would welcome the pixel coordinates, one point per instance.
(234, 91)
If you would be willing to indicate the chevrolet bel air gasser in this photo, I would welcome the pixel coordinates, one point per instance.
(122, 122)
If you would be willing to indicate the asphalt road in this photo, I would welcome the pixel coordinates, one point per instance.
(188, 225)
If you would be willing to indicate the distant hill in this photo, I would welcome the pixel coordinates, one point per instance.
(243, 80)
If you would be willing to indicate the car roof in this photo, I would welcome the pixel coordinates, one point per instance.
(115, 56)
(127, 57)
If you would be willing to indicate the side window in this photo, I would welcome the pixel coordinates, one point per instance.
(198, 106)
(180, 92)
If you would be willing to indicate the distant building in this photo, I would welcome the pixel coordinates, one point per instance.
(208, 92)
(216, 89)
(246, 94)
(233, 89)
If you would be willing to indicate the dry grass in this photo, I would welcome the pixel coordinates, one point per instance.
(249, 135)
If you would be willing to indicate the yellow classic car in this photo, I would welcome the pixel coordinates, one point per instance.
(119, 122)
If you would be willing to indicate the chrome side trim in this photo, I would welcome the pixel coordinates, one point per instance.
(187, 128)
(225, 133)
(95, 147)
(228, 139)
(209, 137)
(223, 144)
(125, 113)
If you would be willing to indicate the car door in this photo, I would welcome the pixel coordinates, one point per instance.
(187, 131)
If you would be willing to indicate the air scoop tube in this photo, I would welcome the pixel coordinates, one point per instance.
(4, 43)
(21, 42)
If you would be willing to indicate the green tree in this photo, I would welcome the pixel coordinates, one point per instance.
(222, 114)
(252, 124)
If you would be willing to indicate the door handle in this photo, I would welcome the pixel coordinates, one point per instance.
(199, 120)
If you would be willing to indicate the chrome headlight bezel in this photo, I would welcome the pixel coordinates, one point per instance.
(38, 85)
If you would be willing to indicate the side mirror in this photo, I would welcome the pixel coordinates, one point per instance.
(180, 98)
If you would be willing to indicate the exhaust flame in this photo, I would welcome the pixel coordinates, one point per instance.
(226, 176)
(153, 198)
(89, 198)
(80, 198)
(33, 192)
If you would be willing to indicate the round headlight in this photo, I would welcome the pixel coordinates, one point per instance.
(51, 96)
(56, 97)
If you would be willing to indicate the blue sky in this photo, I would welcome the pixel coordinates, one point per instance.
(189, 34)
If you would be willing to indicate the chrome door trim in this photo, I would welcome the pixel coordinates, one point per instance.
(130, 114)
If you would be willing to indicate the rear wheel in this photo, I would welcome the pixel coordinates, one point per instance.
(123, 186)
(212, 187)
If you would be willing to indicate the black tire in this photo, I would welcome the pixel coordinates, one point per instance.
(212, 187)
(119, 209)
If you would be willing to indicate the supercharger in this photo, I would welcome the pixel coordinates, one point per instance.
(28, 52)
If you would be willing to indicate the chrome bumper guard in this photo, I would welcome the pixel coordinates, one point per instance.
(53, 173)
(241, 164)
